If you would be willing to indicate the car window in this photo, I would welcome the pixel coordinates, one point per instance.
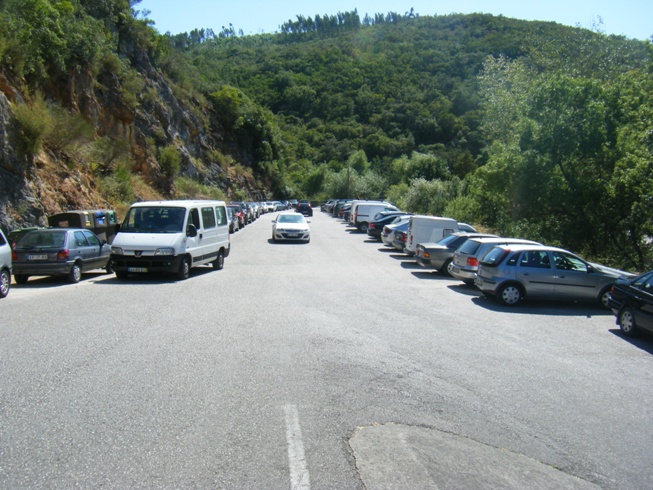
(568, 262)
(80, 239)
(208, 218)
(469, 247)
(291, 218)
(535, 258)
(93, 240)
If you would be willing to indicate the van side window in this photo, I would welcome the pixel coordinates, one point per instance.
(194, 218)
(221, 213)
(208, 218)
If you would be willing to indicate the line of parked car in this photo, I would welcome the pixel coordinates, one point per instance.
(158, 236)
(503, 268)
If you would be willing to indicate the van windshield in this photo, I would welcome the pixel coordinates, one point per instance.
(154, 219)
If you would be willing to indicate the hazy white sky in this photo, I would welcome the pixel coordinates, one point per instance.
(631, 18)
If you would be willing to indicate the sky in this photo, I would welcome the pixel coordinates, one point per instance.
(630, 18)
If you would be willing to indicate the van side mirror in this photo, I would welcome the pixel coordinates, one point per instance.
(191, 231)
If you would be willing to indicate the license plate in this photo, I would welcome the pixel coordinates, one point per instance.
(37, 257)
(455, 268)
(293, 235)
(136, 269)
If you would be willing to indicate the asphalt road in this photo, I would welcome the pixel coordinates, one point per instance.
(334, 364)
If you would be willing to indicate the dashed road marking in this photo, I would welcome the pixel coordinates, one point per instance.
(299, 477)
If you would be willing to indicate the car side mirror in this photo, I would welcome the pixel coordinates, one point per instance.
(274, 221)
(191, 231)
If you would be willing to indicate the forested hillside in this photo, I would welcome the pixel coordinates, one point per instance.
(525, 128)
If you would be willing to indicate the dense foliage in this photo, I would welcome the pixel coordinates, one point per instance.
(526, 128)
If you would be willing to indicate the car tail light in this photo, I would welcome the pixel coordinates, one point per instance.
(472, 261)
(371, 226)
(14, 257)
(63, 254)
(403, 238)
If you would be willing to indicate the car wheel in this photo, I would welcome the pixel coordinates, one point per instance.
(510, 294)
(604, 297)
(75, 273)
(627, 322)
(184, 269)
(218, 263)
(5, 283)
(445, 270)
(21, 278)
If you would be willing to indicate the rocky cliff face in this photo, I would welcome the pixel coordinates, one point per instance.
(153, 118)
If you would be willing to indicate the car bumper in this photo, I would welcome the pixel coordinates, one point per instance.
(288, 235)
(35, 269)
(134, 265)
(458, 272)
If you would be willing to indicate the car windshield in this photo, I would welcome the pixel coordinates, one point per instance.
(43, 239)
(290, 218)
(154, 219)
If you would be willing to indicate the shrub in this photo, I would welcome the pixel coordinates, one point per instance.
(33, 124)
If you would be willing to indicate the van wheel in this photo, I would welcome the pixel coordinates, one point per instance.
(75, 273)
(5, 282)
(184, 269)
(218, 263)
(364, 226)
(21, 278)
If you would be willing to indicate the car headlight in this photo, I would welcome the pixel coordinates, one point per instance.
(117, 251)
(164, 251)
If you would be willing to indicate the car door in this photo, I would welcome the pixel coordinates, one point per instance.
(99, 254)
(535, 272)
(642, 303)
(573, 280)
(83, 250)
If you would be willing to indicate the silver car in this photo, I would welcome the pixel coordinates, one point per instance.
(5, 265)
(513, 272)
(465, 258)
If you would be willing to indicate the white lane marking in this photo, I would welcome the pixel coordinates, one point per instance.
(299, 477)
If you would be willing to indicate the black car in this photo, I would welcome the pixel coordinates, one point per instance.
(375, 228)
(632, 303)
(304, 208)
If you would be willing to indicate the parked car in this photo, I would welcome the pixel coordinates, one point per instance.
(388, 233)
(238, 211)
(467, 256)
(305, 208)
(232, 217)
(5, 265)
(290, 225)
(375, 228)
(248, 212)
(631, 300)
(440, 255)
(400, 237)
(59, 251)
(513, 272)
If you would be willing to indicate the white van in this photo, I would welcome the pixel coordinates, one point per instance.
(363, 212)
(427, 229)
(171, 236)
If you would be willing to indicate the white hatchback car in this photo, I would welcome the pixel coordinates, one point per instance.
(290, 226)
(5, 265)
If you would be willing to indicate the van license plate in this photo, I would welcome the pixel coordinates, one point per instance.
(136, 269)
(37, 257)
